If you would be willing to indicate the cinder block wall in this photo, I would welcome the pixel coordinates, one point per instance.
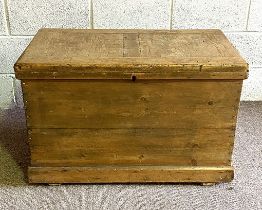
(241, 20)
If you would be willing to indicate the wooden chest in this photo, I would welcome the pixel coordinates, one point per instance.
(114, 106)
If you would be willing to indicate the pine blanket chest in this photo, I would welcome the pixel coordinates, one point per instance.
(114, 106)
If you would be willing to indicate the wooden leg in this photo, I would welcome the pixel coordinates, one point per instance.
(54, 184)
(208, 184)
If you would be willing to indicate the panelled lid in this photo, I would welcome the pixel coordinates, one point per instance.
(123, 54)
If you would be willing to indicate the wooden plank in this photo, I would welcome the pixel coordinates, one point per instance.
(114, 72)
(131, 44)
(85, 147)
(71, 54)
(138, 174)
(126, 104)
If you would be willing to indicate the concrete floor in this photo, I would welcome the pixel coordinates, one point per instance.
(244, 192)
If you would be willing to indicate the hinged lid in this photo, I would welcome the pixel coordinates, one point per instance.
(121, 54)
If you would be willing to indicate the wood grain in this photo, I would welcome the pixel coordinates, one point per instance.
(138, 174)
(126, 104)
(85, 147)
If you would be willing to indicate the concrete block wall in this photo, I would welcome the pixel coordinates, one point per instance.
(241, 20)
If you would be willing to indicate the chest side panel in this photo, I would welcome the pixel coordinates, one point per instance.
(79, 123)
